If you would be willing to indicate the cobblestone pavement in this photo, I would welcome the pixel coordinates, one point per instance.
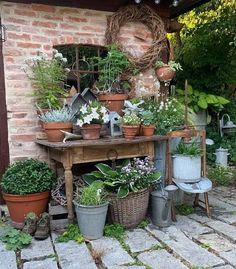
(194, 241)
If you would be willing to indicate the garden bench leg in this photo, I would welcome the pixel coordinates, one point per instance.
(197, 202)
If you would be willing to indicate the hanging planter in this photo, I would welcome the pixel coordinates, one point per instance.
(166, 72)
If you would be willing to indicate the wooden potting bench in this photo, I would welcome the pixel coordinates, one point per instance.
(86, 151)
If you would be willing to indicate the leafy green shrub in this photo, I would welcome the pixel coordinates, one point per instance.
(221, 175)
(28, 176)
(14, 239)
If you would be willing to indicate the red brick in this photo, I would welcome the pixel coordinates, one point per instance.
(9, 60)
(52, 17)
(69, 10)
(16, 77)
(25, 13)
(23, 137)
(27, 45)
(44, 24)
(76, 19)
(93, 29)
(67, 26)
(51, 33)
(13, 52)
(17, 20)
(40, 39)
(25, 37)
(19, 115)
(43, 8)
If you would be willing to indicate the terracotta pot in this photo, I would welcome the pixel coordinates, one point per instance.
(164, 73)
(148, 130)
(130, 131)
(53, 130)
(91, 131)
(20, 205)
(113, 102)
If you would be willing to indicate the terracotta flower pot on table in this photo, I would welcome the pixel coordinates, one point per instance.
(148, 130)
(53, 130)
(91, 131)
(130, 131)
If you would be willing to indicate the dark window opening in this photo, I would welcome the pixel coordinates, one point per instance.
(83, 69)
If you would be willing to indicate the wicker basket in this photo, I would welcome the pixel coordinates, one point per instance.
(129, 211)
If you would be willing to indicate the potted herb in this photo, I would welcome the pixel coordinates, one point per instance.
(147, 119)
(91, 210)
(26, 188)
(91, 118)
(48, 78)
(111, 68)
(128, 189)
(56, 120)
(165, 72)
(187, 162)
(130, 124)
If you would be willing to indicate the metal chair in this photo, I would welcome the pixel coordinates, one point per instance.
(205, 184)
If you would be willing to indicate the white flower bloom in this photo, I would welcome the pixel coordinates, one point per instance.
(105, 118)
(55, 51)
(80, 123)
(84, 109)
(95, 115)
(58, 55)
(64, 60)
(103, 110)
(87, 119)
(94, 109)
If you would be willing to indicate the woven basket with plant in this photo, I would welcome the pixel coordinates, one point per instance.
(128, 187)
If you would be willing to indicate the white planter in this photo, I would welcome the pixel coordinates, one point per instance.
(201, 119)
(186, 168)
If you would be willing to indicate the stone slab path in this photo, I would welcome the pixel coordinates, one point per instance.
(194, 241)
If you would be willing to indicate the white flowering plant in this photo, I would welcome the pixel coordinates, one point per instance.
(92, 113)
(168, 115)
(130, 118)
(48, 76)
(132, 176)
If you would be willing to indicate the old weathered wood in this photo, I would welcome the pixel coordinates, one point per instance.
(4, 148)
(86, 151)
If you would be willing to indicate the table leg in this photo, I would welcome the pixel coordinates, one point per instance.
(69, 193)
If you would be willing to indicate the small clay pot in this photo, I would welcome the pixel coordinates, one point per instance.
(113, 102)
(91, 131)
(164, 73)
(130, 131)
(53, 130)
(148, 130)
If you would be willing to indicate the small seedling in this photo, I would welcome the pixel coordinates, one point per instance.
(184, 209)
(72, 233)
(143, 224)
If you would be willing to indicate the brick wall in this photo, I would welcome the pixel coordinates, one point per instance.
(39, 27)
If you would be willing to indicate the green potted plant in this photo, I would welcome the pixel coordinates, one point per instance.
(165, 72)
(130, 124)
(26, 188)
(109, 89)
(147, 119)
(199, 102)
(48, 77)
(91, 209)
(128, 189)
(56, 120)
(187, 162)
(90, 120)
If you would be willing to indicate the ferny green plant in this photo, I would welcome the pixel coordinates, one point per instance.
(147, 118)
(48, 77)
(72, 232)
(28, 176)
(111, 68)
(221, 175)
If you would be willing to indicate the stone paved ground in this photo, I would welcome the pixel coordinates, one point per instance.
(192, 242)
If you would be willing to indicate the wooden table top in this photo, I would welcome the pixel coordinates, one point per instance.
(100, 142)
